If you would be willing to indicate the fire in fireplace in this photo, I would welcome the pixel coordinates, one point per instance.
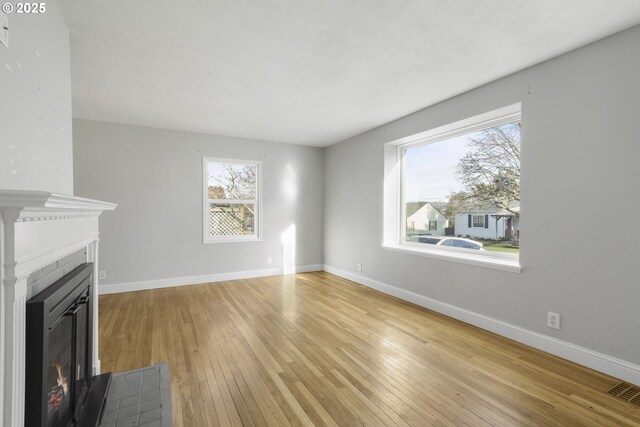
(60, 389)
(58, 394)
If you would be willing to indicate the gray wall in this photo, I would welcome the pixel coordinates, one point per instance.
(155, 176)
(35, 112)
(580, 170)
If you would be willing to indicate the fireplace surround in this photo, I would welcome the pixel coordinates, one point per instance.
(37, 229)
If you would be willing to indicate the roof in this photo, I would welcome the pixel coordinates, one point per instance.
(490, 211)
(503, 212)
(413, 207)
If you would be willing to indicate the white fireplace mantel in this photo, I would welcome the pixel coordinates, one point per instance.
(36, 229)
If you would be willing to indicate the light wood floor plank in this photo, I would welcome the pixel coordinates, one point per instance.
(316, 349)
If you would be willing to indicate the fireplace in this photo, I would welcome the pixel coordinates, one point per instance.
(60, 390)
(37, 229)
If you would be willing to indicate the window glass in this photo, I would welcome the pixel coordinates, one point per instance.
(467, 186)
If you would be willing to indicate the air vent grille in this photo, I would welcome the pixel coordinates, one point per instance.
(628, 392)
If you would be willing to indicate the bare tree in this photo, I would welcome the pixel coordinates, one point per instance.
(235, 183)
(490, 171)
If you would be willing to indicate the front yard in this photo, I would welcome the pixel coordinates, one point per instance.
(504, 246)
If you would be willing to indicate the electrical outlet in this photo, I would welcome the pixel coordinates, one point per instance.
(359, 266)
(4, 29)
(269, 260)
(102, 274)
(553, 320)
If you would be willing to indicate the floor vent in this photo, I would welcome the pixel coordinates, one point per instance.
(628, 392)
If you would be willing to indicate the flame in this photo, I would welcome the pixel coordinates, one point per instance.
(62, 381)
(60, 392)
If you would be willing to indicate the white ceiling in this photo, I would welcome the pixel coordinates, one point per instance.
(310, 72)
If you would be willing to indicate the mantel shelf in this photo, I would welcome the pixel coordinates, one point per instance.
(20, 205)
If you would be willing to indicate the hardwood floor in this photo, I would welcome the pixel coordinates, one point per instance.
(315, 349)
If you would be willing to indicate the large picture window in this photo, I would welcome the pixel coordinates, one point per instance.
(231, 200)
(458, 189)
(468, 181)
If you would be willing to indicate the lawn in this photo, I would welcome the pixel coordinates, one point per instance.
(503, 246)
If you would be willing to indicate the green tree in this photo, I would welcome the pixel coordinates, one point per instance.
(458, 202)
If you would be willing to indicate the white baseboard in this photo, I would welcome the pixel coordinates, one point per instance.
(194, 280)
(583, 356)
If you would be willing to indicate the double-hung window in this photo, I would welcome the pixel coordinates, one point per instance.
(231, 200)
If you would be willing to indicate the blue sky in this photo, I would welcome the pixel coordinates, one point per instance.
(430, 169)
(430, 172)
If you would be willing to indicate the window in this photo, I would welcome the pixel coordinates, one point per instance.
(412, 225)
(231, 200)
(467, 175)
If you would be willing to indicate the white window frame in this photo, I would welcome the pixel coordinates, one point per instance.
(257, 217)
(435, 225)
(394, 225)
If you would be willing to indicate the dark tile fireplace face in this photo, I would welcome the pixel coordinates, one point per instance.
(59, 351)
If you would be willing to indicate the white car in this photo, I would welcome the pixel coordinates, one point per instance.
(451, 242)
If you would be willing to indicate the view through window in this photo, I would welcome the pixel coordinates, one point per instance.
(463, 192)
(231, 200)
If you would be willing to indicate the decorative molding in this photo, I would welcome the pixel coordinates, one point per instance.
(19, 205)
(39, 216)
(92, 256)
(609, 365)
(116, 288)
(15, 358)
(43, 199)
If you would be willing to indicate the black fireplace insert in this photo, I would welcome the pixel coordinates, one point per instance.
(60, 388)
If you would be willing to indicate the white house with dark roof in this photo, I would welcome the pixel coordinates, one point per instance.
(425, 218)
(494, 224)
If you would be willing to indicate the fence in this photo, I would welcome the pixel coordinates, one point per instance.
(230, 221)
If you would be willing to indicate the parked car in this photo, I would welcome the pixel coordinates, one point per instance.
(451, 242)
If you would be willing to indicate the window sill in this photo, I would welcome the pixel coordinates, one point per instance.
(230, 240)
(510, 265)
